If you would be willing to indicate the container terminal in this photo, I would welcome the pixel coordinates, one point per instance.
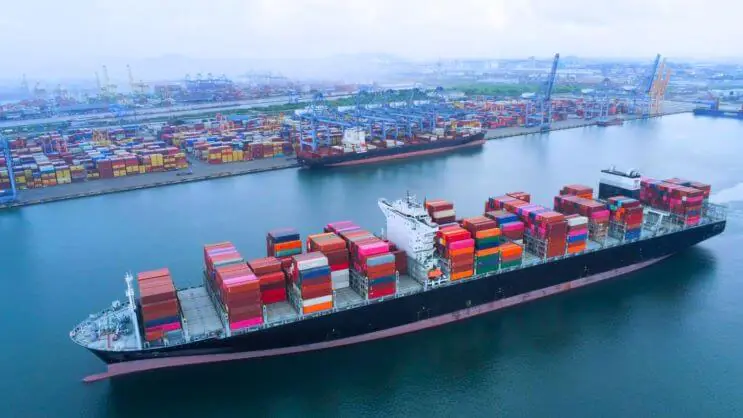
(345, 285)
(321, 134)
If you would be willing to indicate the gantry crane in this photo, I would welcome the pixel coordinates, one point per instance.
(643, 98)
(543, 100)
(658, 90)
(137, 87)
(318, 114)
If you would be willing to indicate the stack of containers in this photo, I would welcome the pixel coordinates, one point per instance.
(511, 255)
(159, 304)
(4, 175)
(487, 241)
(235, 286)
(311, 282)
(377, 265)
(526, 197)
(552, 227)
(457, 246)
(353, 238)
(686, 202)
(577, 190)
(341, 226)
(577, 233)
(678, 197)
(653, 194)
(510, 225)
(705, 188)
(596, 212)
(441, 211)
(335, 249)
(283, 244)
(627, 213)
(271, 278)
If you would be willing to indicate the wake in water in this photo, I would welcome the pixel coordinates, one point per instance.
(730, 195)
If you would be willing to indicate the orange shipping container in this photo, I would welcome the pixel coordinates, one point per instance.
(317, 308)
(462, 274)
(488, 233)
(291, 245)
(487, 252)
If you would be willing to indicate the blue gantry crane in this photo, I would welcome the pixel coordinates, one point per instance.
(319, 113)
(543, 101)
(643, 99)
(7, 195)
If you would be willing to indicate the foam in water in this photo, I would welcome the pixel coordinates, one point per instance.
(732, 194)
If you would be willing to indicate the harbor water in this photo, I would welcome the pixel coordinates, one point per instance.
(665, 341)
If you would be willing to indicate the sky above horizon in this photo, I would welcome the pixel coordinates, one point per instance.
(73, 36)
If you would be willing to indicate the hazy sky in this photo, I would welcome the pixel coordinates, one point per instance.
(77, 35)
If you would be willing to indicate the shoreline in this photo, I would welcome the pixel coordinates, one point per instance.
(54, 194)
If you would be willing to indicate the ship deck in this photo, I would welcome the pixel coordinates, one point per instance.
(112, 328)
(200, 318)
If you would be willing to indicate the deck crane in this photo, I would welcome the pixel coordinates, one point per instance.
(9, 195)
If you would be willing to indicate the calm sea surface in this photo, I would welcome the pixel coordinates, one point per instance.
(666, 341)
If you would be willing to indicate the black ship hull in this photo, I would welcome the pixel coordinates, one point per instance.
(383, 154)
(421, 310)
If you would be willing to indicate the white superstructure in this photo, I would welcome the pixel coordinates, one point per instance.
(411, 229)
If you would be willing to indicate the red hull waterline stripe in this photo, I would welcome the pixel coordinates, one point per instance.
(408, 154)
(119, 369)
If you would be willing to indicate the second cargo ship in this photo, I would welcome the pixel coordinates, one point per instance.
(429, 269)
(361, 153)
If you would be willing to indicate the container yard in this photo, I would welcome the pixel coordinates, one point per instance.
(426, 248)
(53, 159)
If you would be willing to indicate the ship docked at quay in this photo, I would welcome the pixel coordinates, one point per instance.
(357, 151)
(426, 269)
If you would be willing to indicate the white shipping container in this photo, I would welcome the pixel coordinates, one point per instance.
(317, 301)
(577, 221)
(313, 263)
(443, 213)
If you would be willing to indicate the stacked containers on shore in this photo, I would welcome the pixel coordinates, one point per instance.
(374, 261)
(488, 238)
(311, 282)
(158, 304)
(271, 279)
(283, 243)
(335, 249)
(235, 286)
(577, 233)
(4, 175)
(458, 248)
(441, 211)
(596, 212)
(626, 218)
(510, 225)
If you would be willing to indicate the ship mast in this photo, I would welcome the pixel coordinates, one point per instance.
(133, 309)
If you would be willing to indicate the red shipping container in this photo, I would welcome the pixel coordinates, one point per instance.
(265, 265)
(272, 278)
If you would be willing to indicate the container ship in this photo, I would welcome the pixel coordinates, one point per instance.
(361, 153)
(345, 285)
